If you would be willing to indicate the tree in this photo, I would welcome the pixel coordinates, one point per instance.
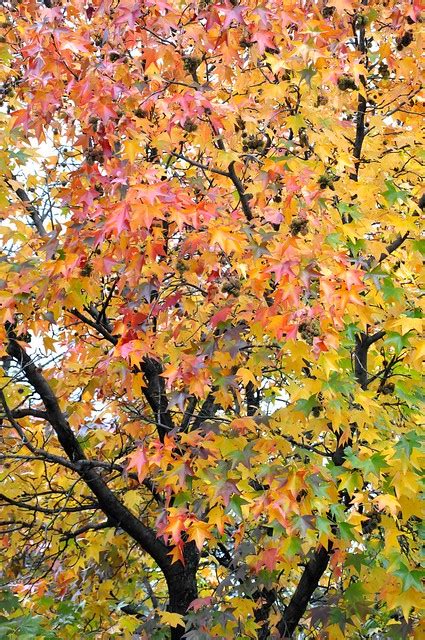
(210, 319)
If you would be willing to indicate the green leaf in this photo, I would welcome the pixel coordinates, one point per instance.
(306, 405)
(374, 464)
(356, 246)
(323, 525)
(349, 211)
(409, 578)
(413, 396)
(396, 340)
(346, 530)
(5, 55)
(307, 74)
(356, 560)
(235, 504)
(334, 240)
(419, 245)
(296, 122)
(392, 194)
(294, 546)
(8, 601)
(354, 592)
(390, 292)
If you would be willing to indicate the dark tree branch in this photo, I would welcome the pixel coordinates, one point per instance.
(54, 512)
(319, 560)
(154, 392)
(156, 395)
(38, 453)
(243, 196)
(393, 246)
(101, 317)
(231, 174)
(307, 585)
(252, 399)
(361, 100)
(371, 339)
(363, 342)
(389, 249)
(188, 414)
(69, 535)
(31, 209)
(207, 411)
(267, 597)
(32, 413)
(204, 167)
(180, 578)
(114, 510)
(112, 466)
(95, 325)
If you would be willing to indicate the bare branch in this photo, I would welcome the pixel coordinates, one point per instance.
(31, 209)
(35, 507)
(33, 413)
(393, 246)
(243, 196)
(204, 167)
(69, 535)
(108, 502)
(156, 396)
(95, 325)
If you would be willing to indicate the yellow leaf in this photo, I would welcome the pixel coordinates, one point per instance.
(411, 507)
(356, 519)
(391, 534)
(243, 607)
(389, 503)
(406, 484)
(228, 240)
(49, 343)
(335, 632)
(198, 532)
(217, 518)
(132, 148)
(137, 382)
(176, 554)
(227, 445)
(327, 361)
(406, 600)
(246, 376)
(130, 623)
(172, 619)
(406, 324)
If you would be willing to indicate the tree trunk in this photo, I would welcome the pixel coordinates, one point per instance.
(182, 586)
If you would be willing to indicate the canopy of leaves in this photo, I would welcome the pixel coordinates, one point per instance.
(210, 318)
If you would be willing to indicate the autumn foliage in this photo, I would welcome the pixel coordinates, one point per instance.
(210, 317)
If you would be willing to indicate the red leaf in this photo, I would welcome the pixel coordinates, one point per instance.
(139, 461)
(220, 316)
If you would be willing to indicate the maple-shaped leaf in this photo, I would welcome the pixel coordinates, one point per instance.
(264, 40)
(210, 317)
(198, 532)
(198, 603)
(221, 316)
(138, 460)
(389, 503)
(172, 619)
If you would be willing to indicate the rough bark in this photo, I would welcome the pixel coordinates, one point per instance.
(182, 585)
(297, 606)
(181, 579)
